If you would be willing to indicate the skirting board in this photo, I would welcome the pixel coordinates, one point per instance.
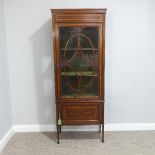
(108, 127)
(6, 138)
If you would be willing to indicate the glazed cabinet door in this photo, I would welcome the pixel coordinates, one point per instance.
(79, 59)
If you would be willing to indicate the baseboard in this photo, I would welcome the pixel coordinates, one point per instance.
(44, 128)
(6, 138)
(108, 127)
(34, 128)
(130, 127)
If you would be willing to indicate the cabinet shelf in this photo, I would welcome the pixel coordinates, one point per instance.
(86, 73)
(85, 95)
(79, 49)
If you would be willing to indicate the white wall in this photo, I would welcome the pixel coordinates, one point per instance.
(130, 72)
(5, 104)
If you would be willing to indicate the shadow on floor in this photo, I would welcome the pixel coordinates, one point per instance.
(73, 135)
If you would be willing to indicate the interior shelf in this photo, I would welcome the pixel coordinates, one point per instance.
(86, 73)
(84, 95)
(78, 49)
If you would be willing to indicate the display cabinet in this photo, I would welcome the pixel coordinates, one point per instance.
(79, 58)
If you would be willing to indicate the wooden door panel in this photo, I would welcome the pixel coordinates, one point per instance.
(80, 114)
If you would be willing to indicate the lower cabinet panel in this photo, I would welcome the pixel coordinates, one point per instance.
(80, 114)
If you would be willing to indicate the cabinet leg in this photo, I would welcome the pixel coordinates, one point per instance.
(60, 129)
(58, 134)
(100, 128)
(102, 133)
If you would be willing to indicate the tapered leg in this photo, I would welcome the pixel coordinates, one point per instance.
(58, 133)
(102, 134)
(60, 129)
(100, 128)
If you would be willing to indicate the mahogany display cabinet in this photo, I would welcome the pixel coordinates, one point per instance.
(79, 60)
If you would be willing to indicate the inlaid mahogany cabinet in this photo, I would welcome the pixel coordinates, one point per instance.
(79, 51)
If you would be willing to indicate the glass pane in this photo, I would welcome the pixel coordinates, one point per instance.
(79, 61)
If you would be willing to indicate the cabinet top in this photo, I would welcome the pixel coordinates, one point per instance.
(78, 15)
(89, 10)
